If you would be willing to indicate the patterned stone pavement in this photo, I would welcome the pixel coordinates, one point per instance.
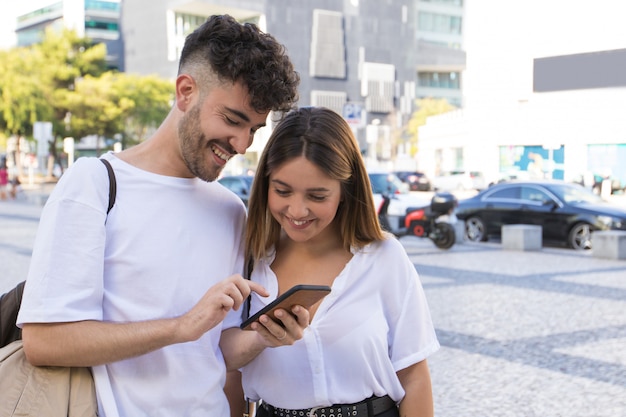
(18, 226)
(523, 333)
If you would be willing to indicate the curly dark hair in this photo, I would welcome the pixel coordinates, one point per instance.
(241, 52)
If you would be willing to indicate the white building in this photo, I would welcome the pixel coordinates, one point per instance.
(544, 92)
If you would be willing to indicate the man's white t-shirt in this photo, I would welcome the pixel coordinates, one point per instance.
(163, 245)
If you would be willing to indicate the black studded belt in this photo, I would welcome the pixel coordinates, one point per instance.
(366, 408)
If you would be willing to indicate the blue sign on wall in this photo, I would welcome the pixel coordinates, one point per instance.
(536, 161)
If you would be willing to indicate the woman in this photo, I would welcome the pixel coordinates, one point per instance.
(312, 220)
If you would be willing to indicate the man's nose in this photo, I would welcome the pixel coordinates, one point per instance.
(241, 141)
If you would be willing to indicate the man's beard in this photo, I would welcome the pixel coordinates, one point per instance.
(194, 147)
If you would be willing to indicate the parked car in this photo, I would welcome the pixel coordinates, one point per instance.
(417, 181)
(387, 183)
(568, 213)
(238, 184)
(459, 180)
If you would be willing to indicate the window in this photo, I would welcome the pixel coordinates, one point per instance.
(187, 23)
(508, 193)
(534, 194)
(449, 80)
(439, 23)
(94, 24)
(102, 5)
(56, 8)
(179, 25)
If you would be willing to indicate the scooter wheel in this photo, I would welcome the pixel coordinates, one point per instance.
(444, 236)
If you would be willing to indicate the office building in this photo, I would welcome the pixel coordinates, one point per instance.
(366, 59)
(95, 19)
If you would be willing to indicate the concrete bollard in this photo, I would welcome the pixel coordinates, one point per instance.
(608, 244)
(524, 237)
(459, 231)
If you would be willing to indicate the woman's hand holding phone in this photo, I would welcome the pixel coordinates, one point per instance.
(299, 295)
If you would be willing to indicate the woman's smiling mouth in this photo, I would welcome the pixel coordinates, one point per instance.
(298, 223)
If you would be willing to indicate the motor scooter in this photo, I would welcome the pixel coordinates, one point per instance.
(435, 221)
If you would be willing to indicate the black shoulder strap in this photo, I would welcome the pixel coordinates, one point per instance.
(112, 184)
(248, 271)
(9, 306)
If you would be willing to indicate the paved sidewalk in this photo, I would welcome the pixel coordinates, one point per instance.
(523, 333)
(18, 226)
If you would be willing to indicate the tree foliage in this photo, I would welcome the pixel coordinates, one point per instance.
(67, 75)
(426, 107)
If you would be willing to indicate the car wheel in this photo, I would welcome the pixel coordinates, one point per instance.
(580, 236)
(475, 229)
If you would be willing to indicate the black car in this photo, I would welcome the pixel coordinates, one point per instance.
(238, 184)
(417, 181)
(568, 213)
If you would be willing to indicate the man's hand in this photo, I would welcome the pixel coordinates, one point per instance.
(212, 308)
(91, 342)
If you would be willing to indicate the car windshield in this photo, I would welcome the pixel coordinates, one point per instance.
(573, 194)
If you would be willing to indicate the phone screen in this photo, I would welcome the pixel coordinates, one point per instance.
(303, 295)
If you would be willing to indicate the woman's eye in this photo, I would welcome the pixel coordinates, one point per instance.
(281, 192)
(318, 197)
(231, 122)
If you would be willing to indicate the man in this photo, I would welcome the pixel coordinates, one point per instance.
(142, 294)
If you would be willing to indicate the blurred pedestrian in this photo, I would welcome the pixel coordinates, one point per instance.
(142, 295)
(4, 179)
(312, 220)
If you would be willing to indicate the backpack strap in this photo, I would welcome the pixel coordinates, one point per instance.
(112, 184)
(9, 307)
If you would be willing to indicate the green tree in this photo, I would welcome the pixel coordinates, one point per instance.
(426, 107)
(32, 76)
(151, 97)
(117, 103)
(66, 75)
(23, 98)
(93, 106)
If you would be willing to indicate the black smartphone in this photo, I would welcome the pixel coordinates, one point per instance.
(302, 295)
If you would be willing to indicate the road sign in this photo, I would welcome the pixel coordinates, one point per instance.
(354, 114)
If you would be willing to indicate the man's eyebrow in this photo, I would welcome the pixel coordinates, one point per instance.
(242, 115)
(238, 113)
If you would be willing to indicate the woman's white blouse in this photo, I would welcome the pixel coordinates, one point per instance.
(374, 322)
